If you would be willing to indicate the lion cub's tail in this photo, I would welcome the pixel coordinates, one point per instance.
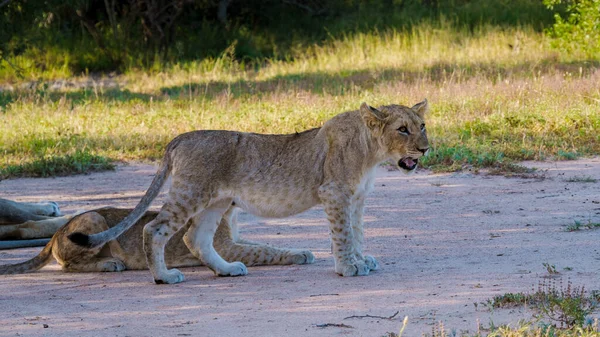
(95, 240)
(42, 259)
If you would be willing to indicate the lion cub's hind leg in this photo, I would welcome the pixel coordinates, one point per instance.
(171, 218)
(75, 258)
(232, 248)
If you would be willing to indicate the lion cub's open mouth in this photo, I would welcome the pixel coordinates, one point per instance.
(408, 163)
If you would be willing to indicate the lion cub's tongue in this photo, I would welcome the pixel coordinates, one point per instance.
(408, 162)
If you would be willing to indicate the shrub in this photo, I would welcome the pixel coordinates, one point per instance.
(579, 31)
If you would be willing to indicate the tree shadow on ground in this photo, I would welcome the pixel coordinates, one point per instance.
(335, 83)
(339, 83)
(75, 97)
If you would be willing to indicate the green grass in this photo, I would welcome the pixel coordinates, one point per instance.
(77, 163)
(561, 311)
(578, 225)
(581, 179)
(46, 41)
(524, 329)
(492, 104)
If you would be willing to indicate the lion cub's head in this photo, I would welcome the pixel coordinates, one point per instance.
(400, 131)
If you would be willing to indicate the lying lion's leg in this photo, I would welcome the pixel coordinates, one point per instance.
(11, 215)
(48, 208)
(75, 258)
(106, 264)
(256, 253)
(33, 229)
(232, 229)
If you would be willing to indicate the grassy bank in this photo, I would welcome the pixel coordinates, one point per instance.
(497, 95)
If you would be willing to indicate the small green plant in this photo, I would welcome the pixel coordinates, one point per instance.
(508, 300)
(566, 306)
(581, 179)
(509, 169)
(574, 227)
(565, 155)
(577, 225)
(550, 268)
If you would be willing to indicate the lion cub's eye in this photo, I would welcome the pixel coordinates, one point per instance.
(422, 127)
(403, 130)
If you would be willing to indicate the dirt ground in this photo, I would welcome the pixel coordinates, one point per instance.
(445, 242)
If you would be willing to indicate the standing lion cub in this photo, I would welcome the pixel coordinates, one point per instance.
(274, 176)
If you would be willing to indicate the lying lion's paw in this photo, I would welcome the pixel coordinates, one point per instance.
(233, 269)
(50, 208)
(114, 265)
(302, 257)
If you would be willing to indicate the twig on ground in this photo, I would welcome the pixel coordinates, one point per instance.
(370, 316)
(337, 325)
(316, 295)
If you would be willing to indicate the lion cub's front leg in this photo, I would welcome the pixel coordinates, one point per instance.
(357, 228)
(338, 207)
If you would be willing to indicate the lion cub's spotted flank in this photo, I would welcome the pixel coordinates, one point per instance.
(274, 176)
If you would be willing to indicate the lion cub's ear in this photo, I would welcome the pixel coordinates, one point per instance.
(373, 118)
(421, 108)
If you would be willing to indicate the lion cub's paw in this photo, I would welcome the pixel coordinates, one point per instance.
(371, 262)
(358, 268)
(302, 257)
(233, 269)
(170, 277)
(114, 265)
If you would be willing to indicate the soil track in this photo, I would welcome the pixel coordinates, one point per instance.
(444, 242)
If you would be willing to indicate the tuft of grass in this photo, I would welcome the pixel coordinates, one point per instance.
(581, 179)
(550, 268)
(567, 155)
(80, 162)
(509, 169)
(520, 329)
(578, 225)
(567, 307)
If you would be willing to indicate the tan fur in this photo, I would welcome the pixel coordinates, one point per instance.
(126, 252)
(25, 220)
(275, 176)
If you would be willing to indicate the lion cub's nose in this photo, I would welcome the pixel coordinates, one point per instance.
(424, 151)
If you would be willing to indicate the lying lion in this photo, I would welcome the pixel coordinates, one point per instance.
(25, 220)
(126, 252)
